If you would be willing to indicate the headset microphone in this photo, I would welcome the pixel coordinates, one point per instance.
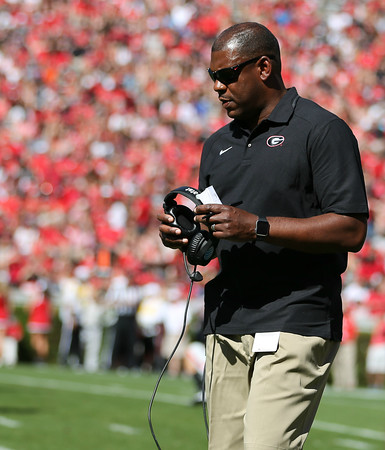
(194, 276)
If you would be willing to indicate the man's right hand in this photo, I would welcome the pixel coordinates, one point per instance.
(170, 236)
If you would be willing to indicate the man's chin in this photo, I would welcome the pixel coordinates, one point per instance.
(232, 113)
(235, 115)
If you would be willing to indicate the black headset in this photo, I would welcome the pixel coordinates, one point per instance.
(200, 251)
(201, 246)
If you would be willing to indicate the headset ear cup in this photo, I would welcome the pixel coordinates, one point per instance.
(201, 249)
(184, 220)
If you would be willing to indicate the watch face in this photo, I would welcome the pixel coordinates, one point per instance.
(263, 228)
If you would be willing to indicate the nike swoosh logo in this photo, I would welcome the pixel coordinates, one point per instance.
(224, 151)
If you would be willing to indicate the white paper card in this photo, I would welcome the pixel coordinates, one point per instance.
(209, 195)
(266, 342)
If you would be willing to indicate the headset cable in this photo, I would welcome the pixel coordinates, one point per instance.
(194, 276)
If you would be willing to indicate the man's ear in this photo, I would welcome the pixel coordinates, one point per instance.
(266, 68)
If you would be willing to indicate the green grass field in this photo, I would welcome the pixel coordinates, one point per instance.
(51, 408)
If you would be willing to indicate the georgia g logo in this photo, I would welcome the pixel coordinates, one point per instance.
(275, 141)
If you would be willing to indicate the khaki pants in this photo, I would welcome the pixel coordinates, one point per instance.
(266, 400)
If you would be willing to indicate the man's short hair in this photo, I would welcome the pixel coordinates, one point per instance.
(250, 39)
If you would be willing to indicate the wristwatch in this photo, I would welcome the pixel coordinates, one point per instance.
(262, 228)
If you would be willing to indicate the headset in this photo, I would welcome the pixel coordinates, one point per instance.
(201, 246)
(200, 251)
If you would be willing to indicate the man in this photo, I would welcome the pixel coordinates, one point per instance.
(273, 315)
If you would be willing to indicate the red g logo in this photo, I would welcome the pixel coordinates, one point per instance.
(275, 141)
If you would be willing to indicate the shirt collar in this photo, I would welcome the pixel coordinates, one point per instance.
(280, 114)
(285, 107)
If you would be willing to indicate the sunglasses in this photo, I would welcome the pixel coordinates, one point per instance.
(231, 74)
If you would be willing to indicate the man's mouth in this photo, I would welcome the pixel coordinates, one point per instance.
(225, 101)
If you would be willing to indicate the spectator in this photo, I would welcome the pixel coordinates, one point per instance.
(4, 317)
(39, 318)
(344, 368)
(91, 320)
(124, 297)
(149, 319)
(375, 358)
(173, 321)
(104, 106)
(13, 336)
(69, 311)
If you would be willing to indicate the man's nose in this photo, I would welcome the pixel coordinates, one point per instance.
(219, 86)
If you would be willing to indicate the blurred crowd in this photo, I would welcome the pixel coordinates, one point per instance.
(104, 105)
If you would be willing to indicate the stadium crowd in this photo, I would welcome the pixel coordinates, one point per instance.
(104, 106)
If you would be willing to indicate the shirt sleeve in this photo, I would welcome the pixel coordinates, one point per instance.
(337, 171)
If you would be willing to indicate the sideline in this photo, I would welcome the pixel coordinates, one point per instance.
(8, 423)
(353, 445)
(94, 389)
(351, 431)
(125, 429)
(358, 393)
(119, 391)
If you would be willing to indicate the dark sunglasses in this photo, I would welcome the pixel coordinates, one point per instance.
(230, 74)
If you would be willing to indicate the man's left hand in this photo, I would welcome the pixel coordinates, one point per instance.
(227, 222)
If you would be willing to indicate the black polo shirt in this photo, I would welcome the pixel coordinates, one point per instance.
(301, 162)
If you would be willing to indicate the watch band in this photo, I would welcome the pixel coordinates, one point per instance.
(262, 228)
